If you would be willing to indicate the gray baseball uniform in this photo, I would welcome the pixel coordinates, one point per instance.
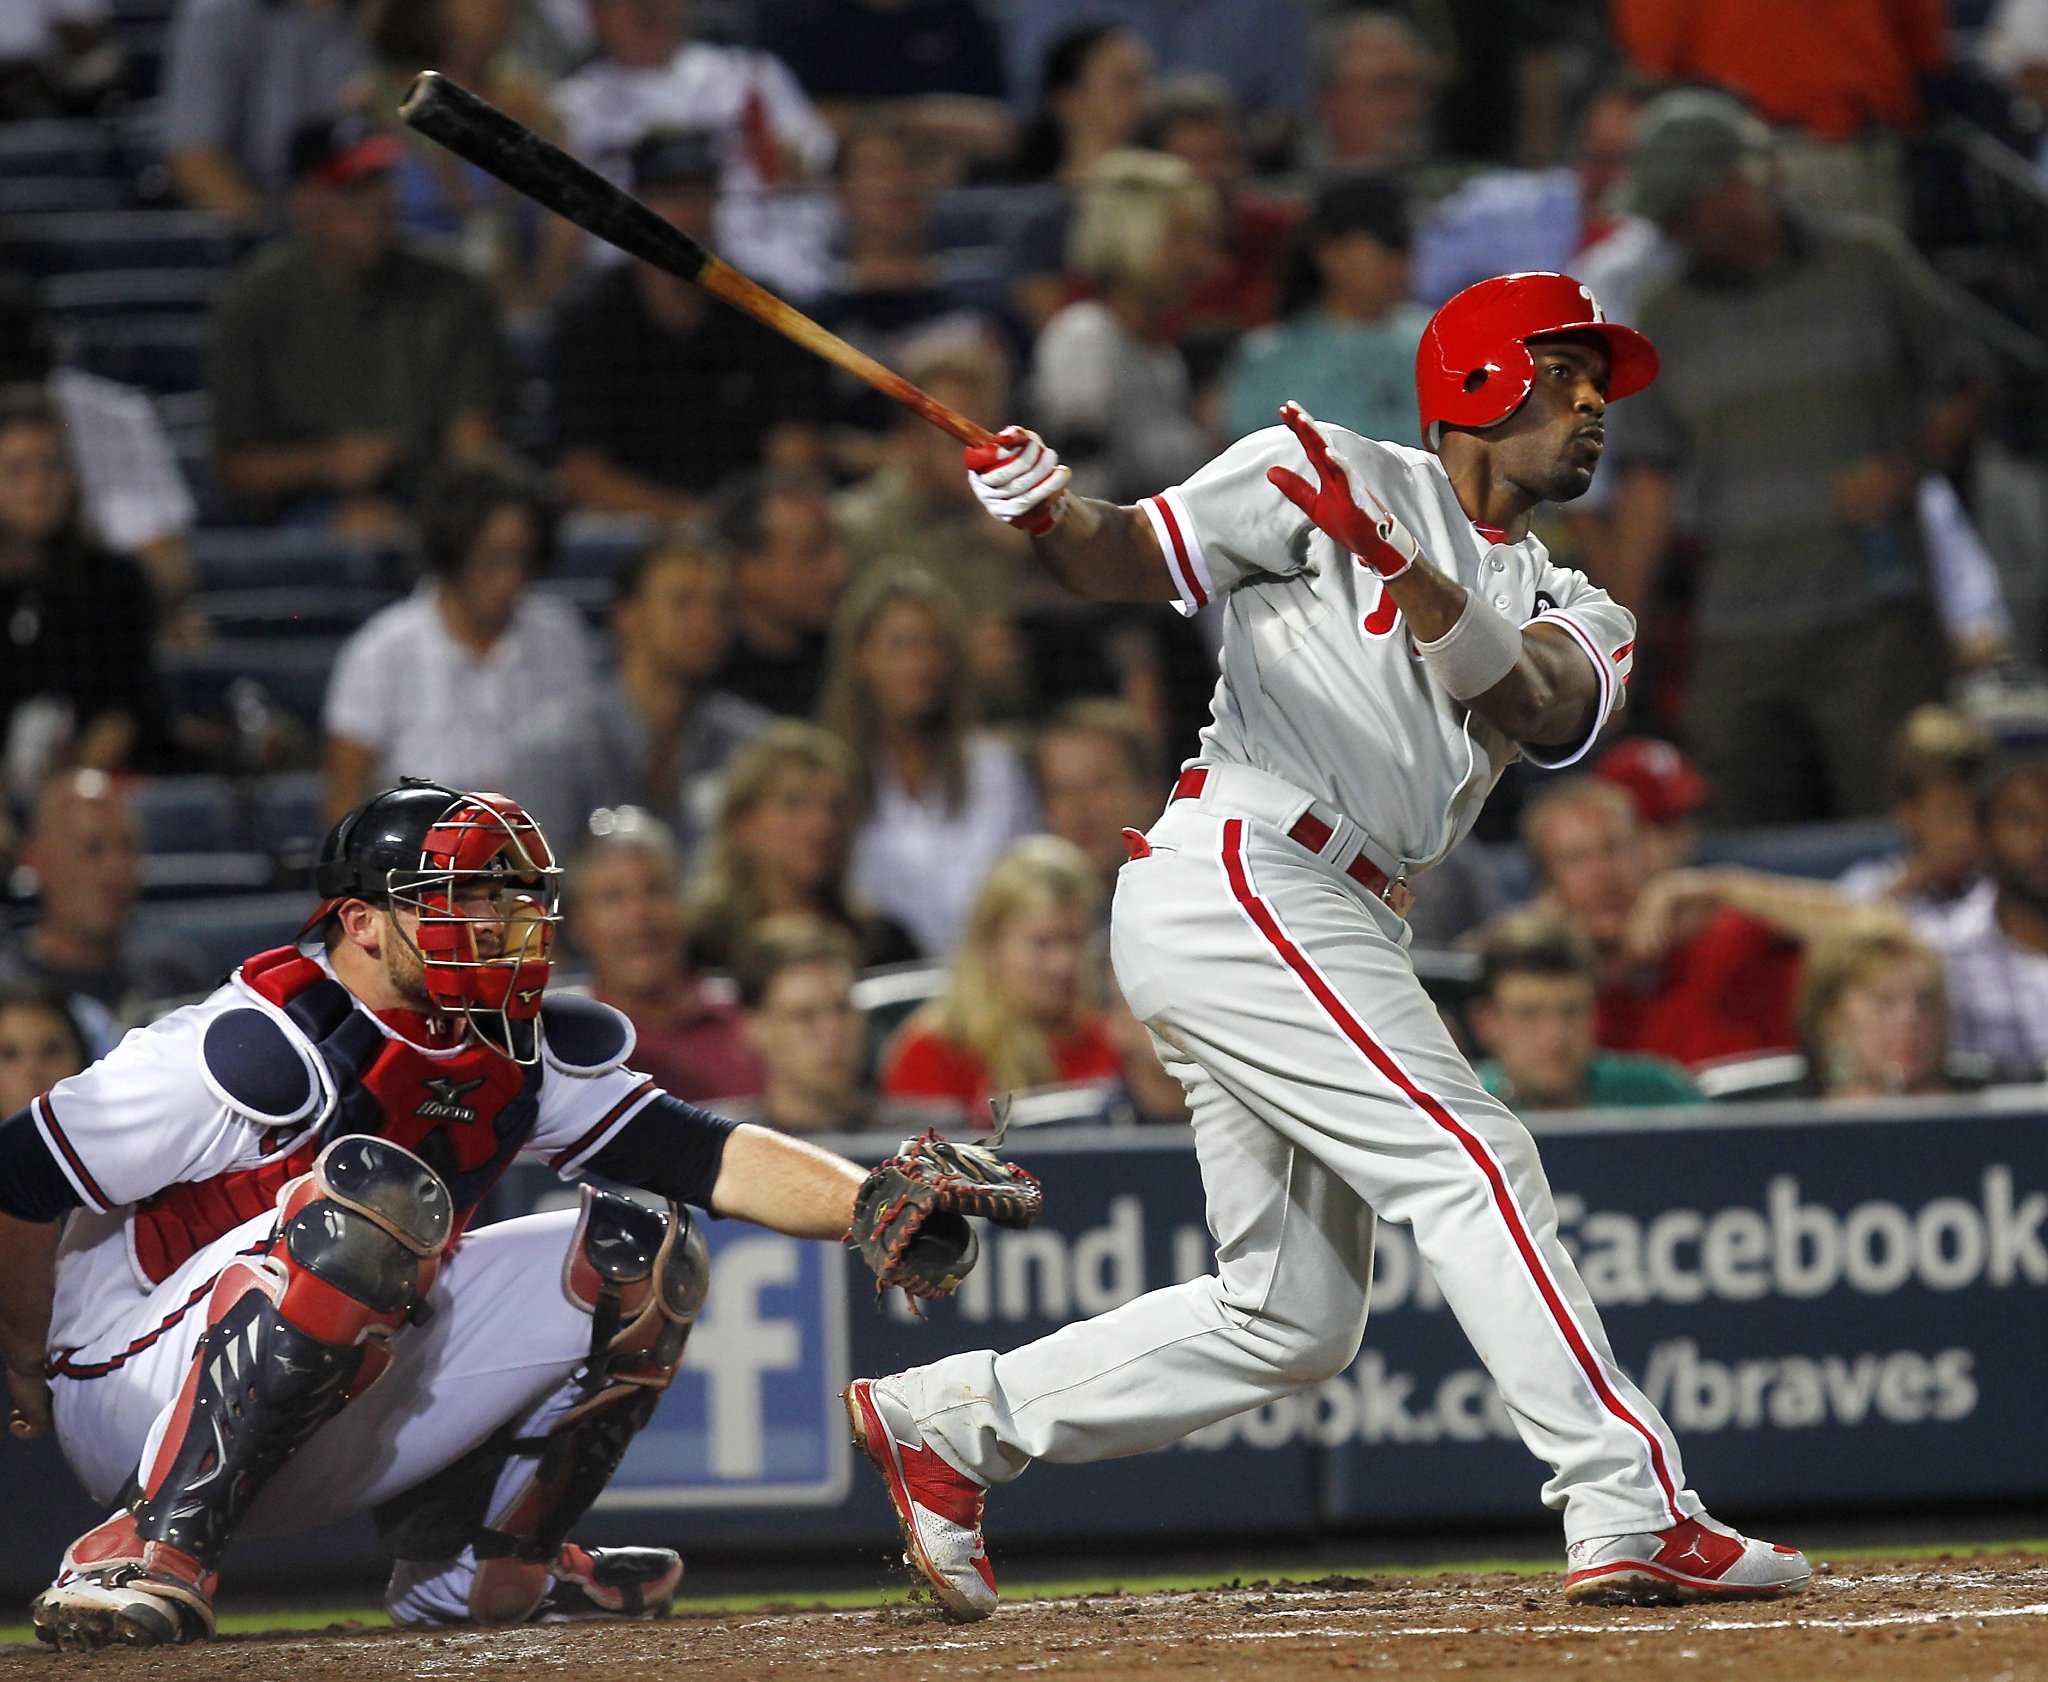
(1325, 1089)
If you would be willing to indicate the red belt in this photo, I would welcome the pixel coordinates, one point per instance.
(1309, 831)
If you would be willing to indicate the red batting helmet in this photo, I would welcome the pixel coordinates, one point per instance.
(1473, 367)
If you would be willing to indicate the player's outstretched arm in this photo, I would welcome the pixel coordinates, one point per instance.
(785, 1184)
(1100, 550)
(1534, 684)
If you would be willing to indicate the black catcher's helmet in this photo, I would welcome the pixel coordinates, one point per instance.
(461, 862)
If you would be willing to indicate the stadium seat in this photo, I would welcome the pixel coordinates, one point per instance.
(186, 814)
(888, 998)
(289, 610)
(125, 292)
(292, 670)
(27, 195)
(66, 242)
(1822, 850)
(285, 817)
(593, 545)
(161, 353)
(290, 557)
(78, 147)
(206, 875)
(225, 931)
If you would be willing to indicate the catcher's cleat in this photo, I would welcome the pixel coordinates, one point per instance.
(606, 1584)
(1696, 1559)
(938, 1508)
(117, 1589)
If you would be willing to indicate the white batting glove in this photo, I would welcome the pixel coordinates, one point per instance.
(1017, 478)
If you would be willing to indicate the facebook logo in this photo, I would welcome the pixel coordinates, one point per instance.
(754, 1414)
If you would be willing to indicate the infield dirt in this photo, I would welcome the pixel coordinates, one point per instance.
(1976, 1618)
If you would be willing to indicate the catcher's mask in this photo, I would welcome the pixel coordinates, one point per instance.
(481, 880)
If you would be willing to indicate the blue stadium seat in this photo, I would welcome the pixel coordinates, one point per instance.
(289, 610)
(293, 670)
(75, 146)
(128, 292)
(66, 242)
(593, 545)
(163, 353)
(26, 195)
(206, 875)
(225, 931)
(286, 816)
(290, 557)
(1822, 850)
(186, 814)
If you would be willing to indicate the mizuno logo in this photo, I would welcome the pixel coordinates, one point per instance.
(446, 1104)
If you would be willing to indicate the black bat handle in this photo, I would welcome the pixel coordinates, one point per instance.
(501, 145)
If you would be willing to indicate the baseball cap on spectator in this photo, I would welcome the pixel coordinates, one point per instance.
(1687, 142)
(2025, 750)
(336, 150)
(674, 157)
(1663, 784)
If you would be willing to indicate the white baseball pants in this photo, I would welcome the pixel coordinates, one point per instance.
(1325, 1087)
(502, 1342)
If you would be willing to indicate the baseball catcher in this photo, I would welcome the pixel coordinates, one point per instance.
(268, 1310)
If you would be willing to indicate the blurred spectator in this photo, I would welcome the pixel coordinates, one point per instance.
(57, 58)
(624, 911)
(1535, 1016)
(662, 391)
(917, 511)
(1873, 1015)
(765, 136)
(1994, 944)
(789, 568)
(84, 848)
(936, 64)
(525, 254)
(1505, 221)
(77, 684)
(1462, 892)
(939, 800)
(1093, 83)
(1815, 632)
(784, 830)
(1098, 775)
(132, 492)
(1376, 88)
(240, 79)
(657, 734)
(1258, 48)
(346, 365)
(1832, 74)
(1667, 791)
(1691, 988)
(2014, 48)
(1015, 1012)
(1112, 388)
(891, 290)
(1346, 348)
(1195, 119)
(433, 686)
(1092, 98)
(1936, 759)
(796, 976)
(40, 1043)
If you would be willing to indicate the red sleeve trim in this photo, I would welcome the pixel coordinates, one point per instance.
(616, 1116)
(68, 1158)
(1183, 558)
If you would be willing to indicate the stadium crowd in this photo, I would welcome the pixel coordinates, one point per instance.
(326, 460)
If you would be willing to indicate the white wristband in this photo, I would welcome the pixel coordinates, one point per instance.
(1474, 654)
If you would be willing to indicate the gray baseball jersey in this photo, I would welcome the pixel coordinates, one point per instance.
(1321, 685)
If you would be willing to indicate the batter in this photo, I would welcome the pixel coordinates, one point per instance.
(1393, 639)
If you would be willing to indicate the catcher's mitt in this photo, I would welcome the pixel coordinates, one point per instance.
(910, 1218)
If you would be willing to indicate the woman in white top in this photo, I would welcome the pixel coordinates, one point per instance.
(1110, 384)
(941, 801)
(432, 686)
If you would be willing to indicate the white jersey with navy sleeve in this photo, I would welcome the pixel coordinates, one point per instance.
(1320, 683)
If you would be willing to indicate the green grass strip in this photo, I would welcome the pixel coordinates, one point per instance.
(316, 1619)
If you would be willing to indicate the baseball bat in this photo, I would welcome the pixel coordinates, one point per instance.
(501, 145)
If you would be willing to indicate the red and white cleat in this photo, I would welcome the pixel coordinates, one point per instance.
(115, 1589)
(938, 1508)
(1696, 1559)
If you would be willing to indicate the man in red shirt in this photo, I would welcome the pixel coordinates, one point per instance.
(1683, 973)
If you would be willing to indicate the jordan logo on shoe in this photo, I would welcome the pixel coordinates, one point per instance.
(1692, 1551)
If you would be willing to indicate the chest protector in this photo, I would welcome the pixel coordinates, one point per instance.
(465, 1113)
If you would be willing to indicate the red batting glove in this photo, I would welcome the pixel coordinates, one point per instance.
(1371, 533)
(1017, 478)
